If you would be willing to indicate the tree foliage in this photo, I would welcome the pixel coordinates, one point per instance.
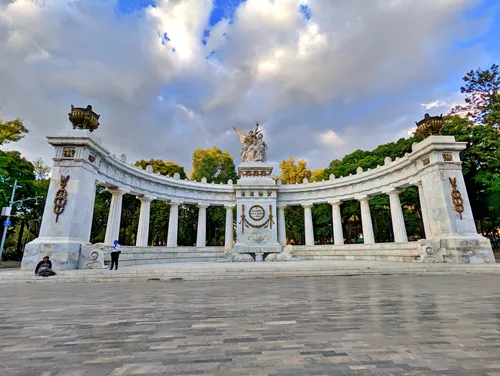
(11, 131)
(481, 89)
(163, 167)
(293, 171)
(40, 169)
(214, 165)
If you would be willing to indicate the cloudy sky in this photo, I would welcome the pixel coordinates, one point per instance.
(323, 77)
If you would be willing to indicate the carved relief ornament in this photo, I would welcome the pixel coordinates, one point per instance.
(61, 197)
(456, 197)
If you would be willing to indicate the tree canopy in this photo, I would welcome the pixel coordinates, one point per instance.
(293, 170)
(481, 89)
(11, 131)
(163, 167)
(214, 165)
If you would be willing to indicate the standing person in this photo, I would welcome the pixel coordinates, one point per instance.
(115, 253)
(44, 268)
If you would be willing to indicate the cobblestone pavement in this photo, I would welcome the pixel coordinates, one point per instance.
(375, 325)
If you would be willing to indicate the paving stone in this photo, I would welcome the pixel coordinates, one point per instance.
(372, 325)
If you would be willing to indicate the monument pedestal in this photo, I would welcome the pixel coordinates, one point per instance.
(256, 225)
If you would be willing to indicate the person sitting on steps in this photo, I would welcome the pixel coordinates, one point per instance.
(44, 268)
(115, 253)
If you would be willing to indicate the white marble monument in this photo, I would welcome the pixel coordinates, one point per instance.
(81, 162)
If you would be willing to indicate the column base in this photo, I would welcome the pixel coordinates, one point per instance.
(457, 249)
(64, 253)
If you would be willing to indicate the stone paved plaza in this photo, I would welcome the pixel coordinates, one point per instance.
(372, 325)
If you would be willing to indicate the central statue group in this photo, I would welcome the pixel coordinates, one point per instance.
(254, 147)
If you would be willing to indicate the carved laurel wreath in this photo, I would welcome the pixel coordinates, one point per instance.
(61, 196)
(456, 197)
(245, 223)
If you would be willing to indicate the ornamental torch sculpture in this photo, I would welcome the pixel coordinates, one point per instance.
(84, 118)
(430, 126)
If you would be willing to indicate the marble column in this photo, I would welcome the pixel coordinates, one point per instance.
(423, 209)
(281, 225)
(398, 221)
(338, 235)
(143, 228)
(228, 237)
(173, 224)
(366, 220)
(308, 222)
(114, 217)
(201, 232)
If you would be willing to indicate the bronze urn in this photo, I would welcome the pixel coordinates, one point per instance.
(430, 126)
(84, 118)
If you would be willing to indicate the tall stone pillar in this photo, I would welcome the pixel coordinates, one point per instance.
(308, 222)
(398, 221)
(366, 220)
(143, 228)
(423, 209)
(63, 231)
(173, 224)
(338, 236)
(114, 218)
(228, 237)
(281, 225)
(201, 232)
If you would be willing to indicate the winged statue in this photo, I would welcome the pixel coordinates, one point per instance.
(254, 147)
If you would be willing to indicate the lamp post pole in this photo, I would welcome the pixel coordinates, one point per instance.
(7, 219)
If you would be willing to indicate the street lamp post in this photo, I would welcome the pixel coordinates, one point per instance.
(6, 224)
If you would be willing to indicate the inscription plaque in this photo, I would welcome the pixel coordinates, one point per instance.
(256, 212)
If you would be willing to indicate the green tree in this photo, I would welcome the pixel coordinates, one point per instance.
(14, 167)
(163, 167)
(214, 165)
(217, 167)
(481, 89)
(11, 131)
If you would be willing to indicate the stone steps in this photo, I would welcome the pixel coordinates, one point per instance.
(134, 256)
(228, 271)
(402, 252)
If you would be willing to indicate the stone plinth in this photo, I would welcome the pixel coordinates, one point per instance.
(256, 217)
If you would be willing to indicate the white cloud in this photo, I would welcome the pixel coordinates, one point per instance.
(330, 138)
(436, 104)
(164, 98)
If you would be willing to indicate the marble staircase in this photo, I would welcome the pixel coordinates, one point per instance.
(406, 252)
(132, 256)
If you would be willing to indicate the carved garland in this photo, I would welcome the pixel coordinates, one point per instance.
(456, 197)
(60, 199)
(245, 223)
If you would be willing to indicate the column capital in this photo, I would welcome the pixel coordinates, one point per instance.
(202, 205)
(175, 203)
(334, 202)
(229, 206)
(281, 206)
(116, 191)
(363, 198)
(307, 205)
(391, 191)
(145, 198)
